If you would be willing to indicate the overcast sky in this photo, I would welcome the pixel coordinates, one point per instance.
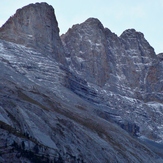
(145, 16)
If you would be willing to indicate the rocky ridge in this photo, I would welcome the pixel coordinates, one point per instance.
(87, 96)
(133, 73)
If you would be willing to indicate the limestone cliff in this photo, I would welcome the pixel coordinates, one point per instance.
(34, 26)
(88, 96)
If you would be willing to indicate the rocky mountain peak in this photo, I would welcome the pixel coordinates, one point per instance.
(34, 26)
(93, 22)
(89, 26)
(107, 86)
(101, 57)
(131, 32)
(85, 45)
(136, 40)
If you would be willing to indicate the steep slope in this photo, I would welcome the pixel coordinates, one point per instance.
(43, 121)
(154, 82)
(97, 53)
(130, 93)
(57, 109)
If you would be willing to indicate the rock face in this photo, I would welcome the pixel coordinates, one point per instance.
(87, 96)
(139, 56)
(103, 58)
(86, 51)
(32, 28)
(127, 80)
(42, 121)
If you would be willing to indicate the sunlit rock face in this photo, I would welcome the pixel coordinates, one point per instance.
(87, 96)
(34, 26)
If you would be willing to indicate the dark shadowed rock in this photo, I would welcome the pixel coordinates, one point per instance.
(34, 26)
(160, 56)
(130, 56)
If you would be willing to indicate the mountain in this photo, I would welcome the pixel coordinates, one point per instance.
(29, 27)
(87, 96)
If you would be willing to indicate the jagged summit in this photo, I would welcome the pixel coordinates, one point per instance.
(93, 22)
(34, 25)
(129, 32)
(90, 24)
(106, 94)
(137, 41)
(93, 51)
(85, 43)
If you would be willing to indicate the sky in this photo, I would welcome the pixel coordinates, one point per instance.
(145, 16)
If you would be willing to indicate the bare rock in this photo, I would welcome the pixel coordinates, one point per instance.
(34, 26)
(86, 48)
(80, 112)
(99, 56)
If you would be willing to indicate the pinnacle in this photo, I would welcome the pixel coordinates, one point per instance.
(34, 25)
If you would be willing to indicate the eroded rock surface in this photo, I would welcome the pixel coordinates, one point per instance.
(34, 26)
(92, 97)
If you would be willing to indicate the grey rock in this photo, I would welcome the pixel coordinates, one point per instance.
(42, 120)
(86, 51)
(154, 82)
(91, 102)
(133, 77)
(101, 57)
(32, 28)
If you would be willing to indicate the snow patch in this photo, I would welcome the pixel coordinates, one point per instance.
(79, 59)
(30, 36)
(132, 100)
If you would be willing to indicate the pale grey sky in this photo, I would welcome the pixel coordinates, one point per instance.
(117, 15)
